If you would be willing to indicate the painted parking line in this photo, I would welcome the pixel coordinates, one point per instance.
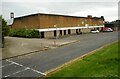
(26, 68)
(11, 69)
(14, 63)
(6, 65)
(16, 72)
(38, 72)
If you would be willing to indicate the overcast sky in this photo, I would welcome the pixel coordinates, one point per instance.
(106, 8)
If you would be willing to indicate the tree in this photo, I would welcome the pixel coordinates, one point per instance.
(5, 29)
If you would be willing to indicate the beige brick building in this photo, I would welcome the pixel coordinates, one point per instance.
(52, 25)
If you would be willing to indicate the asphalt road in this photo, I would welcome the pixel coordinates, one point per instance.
(34, 65)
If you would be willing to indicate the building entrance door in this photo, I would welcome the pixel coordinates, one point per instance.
(77, 31)
(55, 33)
(61, 32)
(64, 32)
(42, 34)
(68, 31)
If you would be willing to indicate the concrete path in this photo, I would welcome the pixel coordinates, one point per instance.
(35, 65)
(20, 46)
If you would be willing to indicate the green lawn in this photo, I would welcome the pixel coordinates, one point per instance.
(103, 63)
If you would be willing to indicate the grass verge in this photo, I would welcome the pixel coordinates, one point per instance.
(103, 63)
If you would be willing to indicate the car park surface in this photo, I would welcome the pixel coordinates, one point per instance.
(38, 63)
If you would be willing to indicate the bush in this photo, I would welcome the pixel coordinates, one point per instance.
(28, 33)
(32, 34)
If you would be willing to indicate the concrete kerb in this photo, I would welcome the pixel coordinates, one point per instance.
(68, 43)
(26, 53)
(51, 71)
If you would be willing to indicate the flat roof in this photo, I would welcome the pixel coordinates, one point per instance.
(55, 15)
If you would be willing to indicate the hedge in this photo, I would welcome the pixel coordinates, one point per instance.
(28, 33)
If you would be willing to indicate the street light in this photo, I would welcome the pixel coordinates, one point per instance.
(56, 35)
(56, 29)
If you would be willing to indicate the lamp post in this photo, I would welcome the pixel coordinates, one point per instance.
(56, 35)
(56, 29)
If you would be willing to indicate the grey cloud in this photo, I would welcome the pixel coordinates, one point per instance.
(119, 10)
(21, 8)
(62, 0)
(15, 7)
(71, 7)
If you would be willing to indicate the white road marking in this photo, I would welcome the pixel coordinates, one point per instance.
(14, 63)
(17, 72)
(26, 68)
(6, 65)
(39, 72)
